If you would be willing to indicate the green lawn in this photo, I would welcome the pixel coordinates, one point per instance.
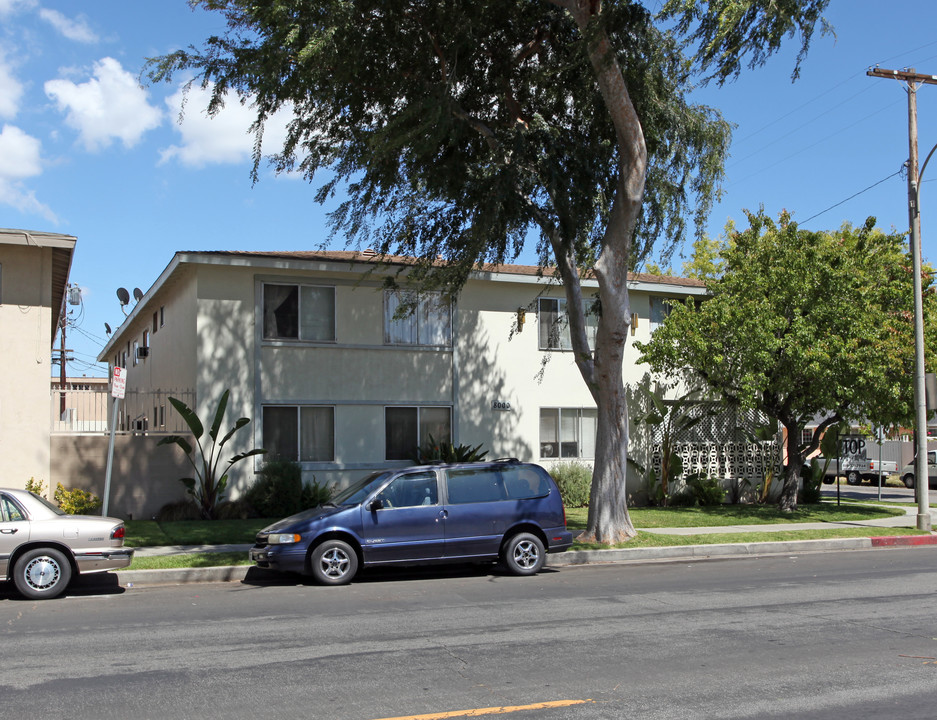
(656, 517)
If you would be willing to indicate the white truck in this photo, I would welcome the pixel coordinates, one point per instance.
(856, 469)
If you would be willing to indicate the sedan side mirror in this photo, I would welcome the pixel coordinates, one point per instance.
(375, 505)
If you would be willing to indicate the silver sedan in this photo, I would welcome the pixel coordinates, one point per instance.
(41, 547)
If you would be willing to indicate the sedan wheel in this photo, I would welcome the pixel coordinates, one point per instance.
(524, 554)
(42, 573)
(334, 562)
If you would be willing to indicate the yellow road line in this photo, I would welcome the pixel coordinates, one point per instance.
(503, 710)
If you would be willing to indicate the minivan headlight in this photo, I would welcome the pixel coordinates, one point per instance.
(282, 538)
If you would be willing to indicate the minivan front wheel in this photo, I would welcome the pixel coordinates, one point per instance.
(524, 554)
(333, 562)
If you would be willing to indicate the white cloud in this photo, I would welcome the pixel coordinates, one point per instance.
(77, 29)
(19, 159)
(19, 154)
(8, 7)
(11, 90)
(110, 105)
(222, 139)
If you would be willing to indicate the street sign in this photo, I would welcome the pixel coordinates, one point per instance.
(119, 383)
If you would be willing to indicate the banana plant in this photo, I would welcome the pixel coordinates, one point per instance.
(206, 487)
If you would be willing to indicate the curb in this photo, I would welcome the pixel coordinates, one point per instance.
(237, 573)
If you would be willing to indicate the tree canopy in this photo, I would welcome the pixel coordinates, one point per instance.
(456, 129)
(802, 324)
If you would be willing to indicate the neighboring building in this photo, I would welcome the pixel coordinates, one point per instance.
(80, 405)
(34, 268)
(313, 351)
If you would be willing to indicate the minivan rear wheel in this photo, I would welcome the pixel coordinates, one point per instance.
(524, 554)
(333, 562)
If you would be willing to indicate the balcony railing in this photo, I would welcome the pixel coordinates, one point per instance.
(89, 411)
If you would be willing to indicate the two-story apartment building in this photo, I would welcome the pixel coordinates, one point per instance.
(34, 268)
(315, 352)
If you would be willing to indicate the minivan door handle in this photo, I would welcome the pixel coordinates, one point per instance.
(443, 514)
(9, 531)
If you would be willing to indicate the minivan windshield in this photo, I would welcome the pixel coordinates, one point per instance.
(355, 493)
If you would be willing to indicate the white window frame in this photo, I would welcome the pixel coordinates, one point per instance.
(558, 338)
(300, 455)
(420, 409)
(301, 324)
(429, 325)
(569, 417)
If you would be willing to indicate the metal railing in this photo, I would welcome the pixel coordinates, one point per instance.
(140, 411)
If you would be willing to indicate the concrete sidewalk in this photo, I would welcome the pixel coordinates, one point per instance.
(133, 578)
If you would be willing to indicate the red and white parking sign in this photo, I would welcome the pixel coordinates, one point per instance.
(118, 383)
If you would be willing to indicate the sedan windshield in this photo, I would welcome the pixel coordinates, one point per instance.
(355, 493)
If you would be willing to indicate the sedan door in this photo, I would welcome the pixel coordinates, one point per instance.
(14, 531)
(404, 521)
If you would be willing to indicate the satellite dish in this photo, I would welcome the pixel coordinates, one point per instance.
(123, 296)
(137, 294)
(107, 328)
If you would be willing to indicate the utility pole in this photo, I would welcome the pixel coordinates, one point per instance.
(912, 79)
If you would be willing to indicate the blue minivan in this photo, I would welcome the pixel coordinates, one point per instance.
(504, 510)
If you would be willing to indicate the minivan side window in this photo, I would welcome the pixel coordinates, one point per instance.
(525, 482)
(473, 486)
(410, 490)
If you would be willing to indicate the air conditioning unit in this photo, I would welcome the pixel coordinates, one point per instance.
(143, 352)
(549, 450)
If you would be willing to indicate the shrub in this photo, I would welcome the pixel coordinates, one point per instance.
(239, 509)
(178, 510)
(706, 490)
(36, 486)
(315, 494)
(574, 480)
(685, 497)
(279, 490)
(434, 452)
(76, 501)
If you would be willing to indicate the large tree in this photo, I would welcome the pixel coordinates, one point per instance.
(455, 128)
(802, 324)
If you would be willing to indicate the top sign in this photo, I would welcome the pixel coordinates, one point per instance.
(119, 383)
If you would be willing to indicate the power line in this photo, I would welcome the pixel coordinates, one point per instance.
(802, 222)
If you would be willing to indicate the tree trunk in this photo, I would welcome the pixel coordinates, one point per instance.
(609, 521)
(795, 461)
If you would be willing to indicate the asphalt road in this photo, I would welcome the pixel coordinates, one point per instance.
(824, 635)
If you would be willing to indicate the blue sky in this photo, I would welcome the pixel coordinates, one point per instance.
(84, 150)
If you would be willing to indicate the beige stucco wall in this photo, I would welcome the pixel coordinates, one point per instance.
(25, 356)
(143, 477)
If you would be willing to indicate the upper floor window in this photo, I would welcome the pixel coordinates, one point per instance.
(299, 312)
(660, 309)
(554, 324)
(430, 323)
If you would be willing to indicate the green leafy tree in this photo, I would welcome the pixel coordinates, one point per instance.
(455, 129)
(706, 262)
(802, 324)
(207, 487)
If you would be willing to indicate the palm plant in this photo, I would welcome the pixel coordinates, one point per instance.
(206, 487)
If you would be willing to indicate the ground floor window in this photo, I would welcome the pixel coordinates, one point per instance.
(408, 428)
(303, 433)
(567, 432)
